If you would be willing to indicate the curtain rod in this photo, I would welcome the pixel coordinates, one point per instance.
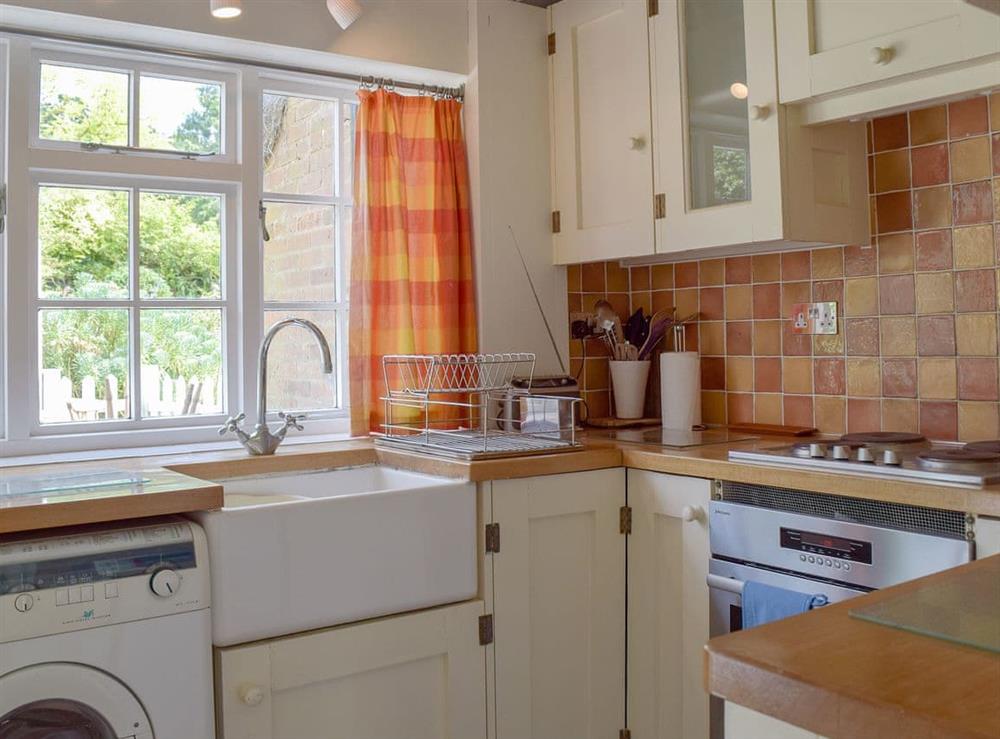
(362, 80)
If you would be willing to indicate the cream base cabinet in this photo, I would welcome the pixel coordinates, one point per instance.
(743, 723)
(731, 166)
(558, 604)
(903, 52)
(420, 675)
(668, 613)
(602, 186)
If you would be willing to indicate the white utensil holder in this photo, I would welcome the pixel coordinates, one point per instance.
(628, 381)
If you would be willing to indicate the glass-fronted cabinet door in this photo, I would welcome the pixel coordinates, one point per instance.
(717, 159)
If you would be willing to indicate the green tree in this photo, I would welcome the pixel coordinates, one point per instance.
(199, 131)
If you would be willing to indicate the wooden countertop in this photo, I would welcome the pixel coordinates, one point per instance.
(845, 678)
(179, 482)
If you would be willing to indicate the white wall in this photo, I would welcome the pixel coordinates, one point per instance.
(421, 33)
(507, 128)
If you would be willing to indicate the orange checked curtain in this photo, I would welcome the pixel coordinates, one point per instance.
(411, 261)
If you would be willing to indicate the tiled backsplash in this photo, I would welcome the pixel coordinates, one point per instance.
(917, 346)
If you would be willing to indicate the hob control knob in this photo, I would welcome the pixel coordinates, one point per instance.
(890, 457)
(165, 583)
(841, 451)
(865, 455)
(817, 451)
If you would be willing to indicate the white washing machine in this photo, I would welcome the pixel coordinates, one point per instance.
(106, 633)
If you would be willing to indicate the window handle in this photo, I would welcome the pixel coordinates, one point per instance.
(262, 214)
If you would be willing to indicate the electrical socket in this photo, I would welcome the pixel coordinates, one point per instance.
(814, 318)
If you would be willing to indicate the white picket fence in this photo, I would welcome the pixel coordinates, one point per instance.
(161, 396)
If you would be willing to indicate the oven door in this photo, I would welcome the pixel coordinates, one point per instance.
(726, 580)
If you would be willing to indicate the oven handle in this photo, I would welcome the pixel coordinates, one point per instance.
(725, 583)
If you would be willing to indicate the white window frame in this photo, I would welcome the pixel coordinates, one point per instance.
(4, 308)
(340, 201)
(135, 302)
(237, 172)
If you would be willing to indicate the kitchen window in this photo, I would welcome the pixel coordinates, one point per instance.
(141, 201)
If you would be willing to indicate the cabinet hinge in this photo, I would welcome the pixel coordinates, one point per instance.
(555, 222)
(493, 537)
(624, 734)
(486, 629)
(551, 41)
(625, 520)
(652, 7)
(660, 205)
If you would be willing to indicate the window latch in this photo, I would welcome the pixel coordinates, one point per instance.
(262, 214)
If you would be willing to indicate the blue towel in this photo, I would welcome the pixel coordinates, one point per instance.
(765, 603)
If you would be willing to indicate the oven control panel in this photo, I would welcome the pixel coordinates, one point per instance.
(826, 545)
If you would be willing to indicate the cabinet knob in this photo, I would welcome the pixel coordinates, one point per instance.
(880, 54)
(759, 112)
(637, 143)
(251, 695)
(692, 513)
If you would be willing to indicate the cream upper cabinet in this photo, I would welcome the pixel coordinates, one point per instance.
(601, 153)
(668, 621)
(419, 675)
(557, 591)
(731, 165)
(904, 52)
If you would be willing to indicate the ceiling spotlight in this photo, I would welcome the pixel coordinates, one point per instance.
(739, 91)
(345, 12)
(225, 8)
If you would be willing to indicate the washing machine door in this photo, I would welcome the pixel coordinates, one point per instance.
(62, 700)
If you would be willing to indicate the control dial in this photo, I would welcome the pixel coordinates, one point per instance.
(841, 451)
(24, 602)
(165, 583)
(890, 457)
(865, 455)
(817, 451)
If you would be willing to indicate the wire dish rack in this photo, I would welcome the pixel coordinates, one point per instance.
(465, 406)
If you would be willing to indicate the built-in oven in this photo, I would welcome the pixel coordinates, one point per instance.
(816, 543)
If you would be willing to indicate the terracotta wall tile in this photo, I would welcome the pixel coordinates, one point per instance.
(686, 274)
(928, 124)
(864, 378)
(830, 414)
(739, 302)
(827, 263)
(972, 202)
(713, 373)
(971, 159)
(662, 276)
(767, 301)
(639, 299)
(899, 378)
(767, 407)
(767, 375)
(995, 111)
(860, 260)
(793, 293)
(936, 335)
(663, 300)
(939, 420)
(895, 253)
(900, 415)
(796, 375)
(892, 170)
(975, 290)
(593, 277)
(739, 374)
(712, 302)
(890, 132)
(739, 338)
(798, 410)
(686, 301)
(895, 211)
(795, 265)
(712, 272)
(968, 117)
(712, 338)
(973, 246)
(976, 334)
(977, 378)
(713, 407)
(828, 290)
(793, 344)
(573, 278)
(861, 296)
(640, 278)
(862, 336)
(935, 292)
(930, 165)
(738, 270)
(896, 295)
(767, 338)
(739, 407)
(826, 345)
(996, 155)
(937, 378)
(933, 250)
(829, 376)
(978, 421)
(616, 277)
(766, 267)
(932, 207)
(863, 414)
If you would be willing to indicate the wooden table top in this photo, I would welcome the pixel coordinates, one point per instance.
(845, 678)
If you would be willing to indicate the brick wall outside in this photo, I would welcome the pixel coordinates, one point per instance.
(917, 346)
(300, 258)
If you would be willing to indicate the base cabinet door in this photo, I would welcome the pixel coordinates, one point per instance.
(668, 612)
(416, 676)
(559, 606)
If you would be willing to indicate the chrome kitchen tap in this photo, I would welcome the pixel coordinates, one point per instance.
(262, 441)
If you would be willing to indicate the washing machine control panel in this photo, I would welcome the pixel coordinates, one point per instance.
(98, 576)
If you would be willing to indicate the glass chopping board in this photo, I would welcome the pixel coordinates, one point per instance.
(964, 608)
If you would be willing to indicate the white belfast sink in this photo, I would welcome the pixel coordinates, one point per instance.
(300, 551)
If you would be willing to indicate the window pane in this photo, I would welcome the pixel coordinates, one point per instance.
(295, 379)
(84, 362)
(181, 362)
(83, 240)
(300, 258)
(180, 115)
(180, 245)
(299, 145)
(349, 112)
(86, 105)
